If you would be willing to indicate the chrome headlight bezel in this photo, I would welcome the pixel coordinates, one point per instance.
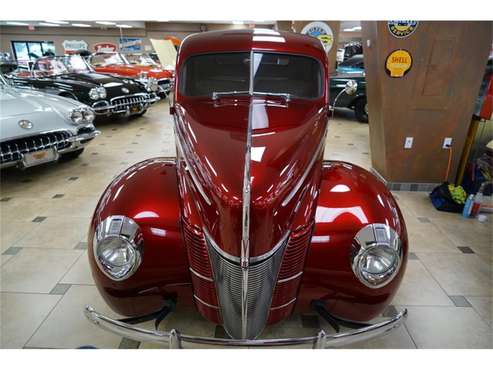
(94, 93)
(382, 244)
(81, 115)
(102, 92)
(152, 84)
(126, 232)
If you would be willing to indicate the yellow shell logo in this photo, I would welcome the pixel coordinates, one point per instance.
(398, 63)
(326, 39)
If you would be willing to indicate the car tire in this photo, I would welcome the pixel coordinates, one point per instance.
(71, 155)
(361, 110)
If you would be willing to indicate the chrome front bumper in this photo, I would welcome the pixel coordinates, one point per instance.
(76, 142)
(108, 108)
(174, 339)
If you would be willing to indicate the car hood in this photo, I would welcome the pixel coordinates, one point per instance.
(285, 139)
(46, 112)
(112, 84)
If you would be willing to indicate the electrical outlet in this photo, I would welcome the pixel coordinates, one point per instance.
(408, 144)
(447, 143)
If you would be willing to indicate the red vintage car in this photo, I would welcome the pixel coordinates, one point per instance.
(142, 68)
(249, 224)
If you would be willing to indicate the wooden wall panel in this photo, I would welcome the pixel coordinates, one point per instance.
(434, 100)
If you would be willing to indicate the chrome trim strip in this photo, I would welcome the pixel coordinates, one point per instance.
(245, 232)
(283, 305)
(174, 338)
(236, 259)
(200, 276)
(297, 187)
(205, 303)
(290, 278)
(191, 170)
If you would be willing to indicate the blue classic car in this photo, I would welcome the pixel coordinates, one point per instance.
(355, 64)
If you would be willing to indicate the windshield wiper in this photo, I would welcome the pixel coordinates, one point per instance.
(286, 96)
(216, 95)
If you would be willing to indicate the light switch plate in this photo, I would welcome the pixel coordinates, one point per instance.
(447, 143)
(408, 144)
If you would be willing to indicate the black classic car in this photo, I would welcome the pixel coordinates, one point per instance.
(357, 101)
(71, 76)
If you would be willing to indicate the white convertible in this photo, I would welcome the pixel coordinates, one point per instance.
(37, 128)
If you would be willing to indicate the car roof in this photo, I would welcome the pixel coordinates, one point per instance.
(245, 40)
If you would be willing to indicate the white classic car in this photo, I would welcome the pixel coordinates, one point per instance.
(37, 128)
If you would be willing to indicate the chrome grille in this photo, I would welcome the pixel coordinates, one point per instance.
(262, 278)
(122, 103)
(197, 252)
(12, 150)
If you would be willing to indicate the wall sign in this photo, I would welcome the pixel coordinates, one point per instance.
(402, 29)
(130, 44)
(398, 63)
(71, 46)
(321, 31)
(105, 47)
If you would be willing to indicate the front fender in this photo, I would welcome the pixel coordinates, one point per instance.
(350, 198)
(148, 193)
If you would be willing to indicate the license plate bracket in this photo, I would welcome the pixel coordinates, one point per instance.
(39, 157)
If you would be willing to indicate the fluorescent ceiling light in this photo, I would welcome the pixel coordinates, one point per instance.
(48, 24)
(17, 24)
(352, 29)
(238, 22)
(106, 23)
(81, 25)
(58, 22)
(123, 26)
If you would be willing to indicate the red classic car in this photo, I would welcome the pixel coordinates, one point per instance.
(142, 68)
(249, 224)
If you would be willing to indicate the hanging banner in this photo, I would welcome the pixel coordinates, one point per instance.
(398, 63)
(402, 29)
(321, 31)
(105, 47)
(130, 44)
(73, 46)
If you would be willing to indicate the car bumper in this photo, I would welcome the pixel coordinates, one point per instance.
(74, 142)
(174, 339)
(127, 105)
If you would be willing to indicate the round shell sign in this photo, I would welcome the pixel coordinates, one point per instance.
(321, 31)
(398, 63)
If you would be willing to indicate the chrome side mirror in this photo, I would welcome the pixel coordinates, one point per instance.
(351, 87)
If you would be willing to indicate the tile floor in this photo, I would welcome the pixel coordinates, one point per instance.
(45, 280)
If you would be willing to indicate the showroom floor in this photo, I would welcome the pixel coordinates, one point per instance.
(45, 279)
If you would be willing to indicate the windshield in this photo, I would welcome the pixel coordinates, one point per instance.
(274, 74)
(105, 59)
(141, 59)
(74, 63)
(49, 66)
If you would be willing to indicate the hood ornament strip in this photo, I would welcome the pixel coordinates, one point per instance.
(247, 186)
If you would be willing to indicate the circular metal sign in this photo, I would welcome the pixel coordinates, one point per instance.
(321, 31)
(398, 63)
(402, 29)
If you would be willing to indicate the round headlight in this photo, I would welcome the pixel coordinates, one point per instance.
(102, 92)
(76, 116)
(88, 115)
(376, 255)
(152, 85)
(94, 93)
(117, 247)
